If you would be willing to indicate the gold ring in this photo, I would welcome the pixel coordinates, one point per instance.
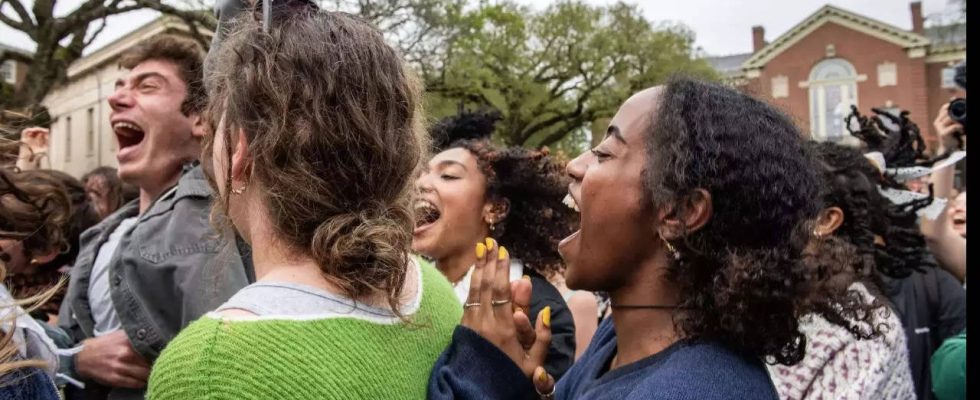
(499, 302)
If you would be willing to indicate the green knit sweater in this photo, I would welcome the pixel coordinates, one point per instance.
(333, 358)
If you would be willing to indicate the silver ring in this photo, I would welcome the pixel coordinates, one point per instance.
(468, 305)
(499, 302)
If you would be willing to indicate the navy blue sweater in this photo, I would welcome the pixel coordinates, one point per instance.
(472, 368)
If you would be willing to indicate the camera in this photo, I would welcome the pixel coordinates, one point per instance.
(957, 111)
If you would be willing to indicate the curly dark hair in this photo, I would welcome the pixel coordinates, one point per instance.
(532, 182)
(868, 214)
(742, 277)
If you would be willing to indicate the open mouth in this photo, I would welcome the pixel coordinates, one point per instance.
(128, 134)
(426, 214)
(570, 202)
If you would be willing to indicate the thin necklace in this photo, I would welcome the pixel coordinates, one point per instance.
(646, 306)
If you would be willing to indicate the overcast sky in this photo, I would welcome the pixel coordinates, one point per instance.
(722, 26)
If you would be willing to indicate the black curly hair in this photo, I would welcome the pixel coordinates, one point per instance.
(742, 277)
(532, 182)
(852, 185)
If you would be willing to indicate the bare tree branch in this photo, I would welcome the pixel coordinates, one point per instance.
(25, 18)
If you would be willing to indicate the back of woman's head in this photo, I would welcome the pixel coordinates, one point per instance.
(332, 116)
(852, 184)
(83, 213)
(741, 275)
(36, 210)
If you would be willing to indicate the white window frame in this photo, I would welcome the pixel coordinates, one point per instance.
(887, 74)
(947, 78)
(10, 67)
(780, 87)
(818, 85)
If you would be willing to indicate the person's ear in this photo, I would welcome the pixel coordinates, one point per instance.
(199, 128)
(241, 159)
(690, 214)
(828, 221)
(45, 258)
(495, 211)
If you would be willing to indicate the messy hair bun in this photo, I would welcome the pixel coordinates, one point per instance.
(333, 120)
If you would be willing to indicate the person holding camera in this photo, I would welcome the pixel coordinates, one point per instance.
(944, 241)
(948, 363)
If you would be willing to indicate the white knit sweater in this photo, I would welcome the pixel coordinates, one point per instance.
(839, 366)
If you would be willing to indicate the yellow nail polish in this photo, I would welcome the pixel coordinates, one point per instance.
(502, 253)
(542, 376)
(481, 250)
(489, 243)
(546, 316)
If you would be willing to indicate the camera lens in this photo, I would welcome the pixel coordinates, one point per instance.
(957, 110)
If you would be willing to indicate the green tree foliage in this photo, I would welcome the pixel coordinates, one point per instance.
(554, 72)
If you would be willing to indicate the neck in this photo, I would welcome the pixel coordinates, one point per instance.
(454, 267)
(274, 261)
(149, 193)
(643, 332)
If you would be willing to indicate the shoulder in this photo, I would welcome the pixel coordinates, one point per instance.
(438, 296)
(694, 370)
(186, 365)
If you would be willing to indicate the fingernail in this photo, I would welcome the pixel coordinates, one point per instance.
(481, 250)
(489, 243)
(546, 316)
(526, 278)
(542, 375)
(502, 253)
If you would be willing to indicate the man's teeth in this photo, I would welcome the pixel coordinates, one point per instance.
(126, 125)
(570, 202)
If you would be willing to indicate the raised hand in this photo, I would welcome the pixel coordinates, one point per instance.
(495, 308)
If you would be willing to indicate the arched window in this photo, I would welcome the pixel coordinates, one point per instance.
(833, 89)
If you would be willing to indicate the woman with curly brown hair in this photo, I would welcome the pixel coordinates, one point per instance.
(472, 190)
(695, 211)
(317, 141)
(864, 356)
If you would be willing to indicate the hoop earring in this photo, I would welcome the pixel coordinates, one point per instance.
(671, 249)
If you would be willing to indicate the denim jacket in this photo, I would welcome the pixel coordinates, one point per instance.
(170, 269)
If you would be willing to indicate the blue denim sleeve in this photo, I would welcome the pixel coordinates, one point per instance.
(473, 368)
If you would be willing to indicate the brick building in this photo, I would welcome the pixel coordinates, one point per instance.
(835, 58)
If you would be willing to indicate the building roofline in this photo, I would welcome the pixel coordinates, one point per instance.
(829, 13)
(114, 49)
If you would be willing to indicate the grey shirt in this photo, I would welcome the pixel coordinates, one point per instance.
(104, 314)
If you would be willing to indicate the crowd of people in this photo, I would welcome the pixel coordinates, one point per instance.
(285, 224)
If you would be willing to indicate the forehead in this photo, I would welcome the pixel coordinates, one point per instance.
(635, 115)
(165, 68)
(455, 154)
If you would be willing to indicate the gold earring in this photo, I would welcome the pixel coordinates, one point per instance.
(671, 249)
(239, 190)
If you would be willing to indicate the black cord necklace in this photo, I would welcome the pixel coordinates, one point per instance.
(645, 306)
